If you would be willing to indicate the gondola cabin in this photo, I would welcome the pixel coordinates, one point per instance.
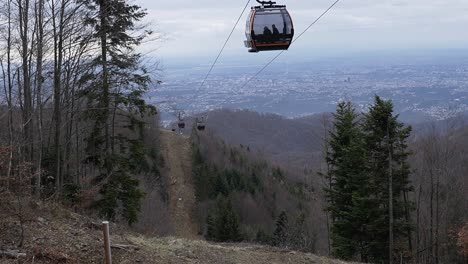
(200, 125)
(269, 27)
(180, 118)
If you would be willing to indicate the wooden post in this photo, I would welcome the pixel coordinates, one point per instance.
(107, 248)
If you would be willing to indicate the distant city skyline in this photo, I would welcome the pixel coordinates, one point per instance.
(197, 29)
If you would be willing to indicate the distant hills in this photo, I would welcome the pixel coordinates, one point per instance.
(289, 142)
(293, 143)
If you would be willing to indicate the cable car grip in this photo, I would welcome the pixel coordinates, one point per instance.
(263, 3)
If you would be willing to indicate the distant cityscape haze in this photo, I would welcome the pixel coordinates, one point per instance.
(424, 85)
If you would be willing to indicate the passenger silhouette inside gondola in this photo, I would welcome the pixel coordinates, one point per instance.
(276, 34)
(267, 34)
(266, 31)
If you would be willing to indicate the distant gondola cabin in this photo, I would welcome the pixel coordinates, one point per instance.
(269, 27)
(201, 126)
(201, 123)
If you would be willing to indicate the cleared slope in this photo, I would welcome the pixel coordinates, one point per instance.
(177, 153)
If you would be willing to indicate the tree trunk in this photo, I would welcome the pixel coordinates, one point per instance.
(407, 219)
(105, 81)
(39, 82)
(27, 99)
(8, 94)
(431, 215)
(390, 197)
(418, 228)
(58, 57)
(436, 236)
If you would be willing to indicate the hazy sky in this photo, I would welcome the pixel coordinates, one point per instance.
(197, 29)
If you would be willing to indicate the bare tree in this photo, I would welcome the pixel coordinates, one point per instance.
(24, 30)
(39, 82)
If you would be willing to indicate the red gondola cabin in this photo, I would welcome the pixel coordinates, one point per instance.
(269, 27)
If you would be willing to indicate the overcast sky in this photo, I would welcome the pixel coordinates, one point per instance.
(197, 29)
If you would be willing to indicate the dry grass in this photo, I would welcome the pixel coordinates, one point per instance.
(57, 235)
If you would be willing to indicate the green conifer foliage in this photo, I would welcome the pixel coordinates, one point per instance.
(280, 234)
(388, 153)
(224, 225)
(113, 88)
(210, 228)
(348, 191)
(298, 235)
(363, 155)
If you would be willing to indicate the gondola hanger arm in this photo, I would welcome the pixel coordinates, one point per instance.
(263, 3)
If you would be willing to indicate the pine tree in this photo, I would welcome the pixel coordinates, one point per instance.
(224, 226)
(210, 228)
(232, 224)
(389, 177)
(299, 237)
(114, 87)
(348, 185)
(281, 231)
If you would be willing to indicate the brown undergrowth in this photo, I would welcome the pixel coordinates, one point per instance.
(53, 234)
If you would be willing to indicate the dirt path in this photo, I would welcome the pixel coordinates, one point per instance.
(177, 154)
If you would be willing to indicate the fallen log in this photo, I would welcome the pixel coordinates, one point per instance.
(93, 225)
(125, 247)
(12, 253)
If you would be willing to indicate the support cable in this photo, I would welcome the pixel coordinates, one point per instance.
(279, 54)
(225, 43)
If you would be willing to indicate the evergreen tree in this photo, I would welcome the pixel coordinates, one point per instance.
(389, 177)
(124, 189)
(348, 188)
(281, 231)
(224, 226)
(210, 228)
(299, 237)
(114, 88)
(232, 224)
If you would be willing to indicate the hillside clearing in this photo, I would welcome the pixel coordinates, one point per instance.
(55, 235)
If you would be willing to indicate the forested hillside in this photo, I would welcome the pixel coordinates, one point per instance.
(75, 125)
(437, 155)
(289, 142)
(241, 197)
(79, 143)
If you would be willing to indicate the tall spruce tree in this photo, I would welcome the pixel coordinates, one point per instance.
(115, 85)
(389, 180)
(348, 190)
